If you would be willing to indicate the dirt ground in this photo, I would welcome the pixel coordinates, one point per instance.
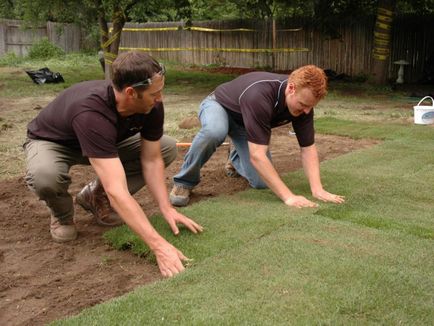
(42, 281)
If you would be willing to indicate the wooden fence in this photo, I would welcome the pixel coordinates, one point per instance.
(17, 39)
(282, 45)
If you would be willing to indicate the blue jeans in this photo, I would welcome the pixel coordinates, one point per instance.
(216, 125)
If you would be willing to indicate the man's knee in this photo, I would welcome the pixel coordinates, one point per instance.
(215, 136)
(46, 182)
(257, 183)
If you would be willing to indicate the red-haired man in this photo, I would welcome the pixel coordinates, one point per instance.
(246, 109)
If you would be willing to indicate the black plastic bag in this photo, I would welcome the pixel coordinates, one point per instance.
(45, 75)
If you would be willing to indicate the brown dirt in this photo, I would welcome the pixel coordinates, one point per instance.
(42, 281)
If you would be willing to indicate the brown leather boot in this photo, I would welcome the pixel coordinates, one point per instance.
(93, 198)
(62, 231)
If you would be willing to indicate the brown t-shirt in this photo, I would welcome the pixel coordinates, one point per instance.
(84, 117)
(256, 101)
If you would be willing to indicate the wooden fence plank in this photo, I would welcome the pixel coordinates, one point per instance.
(296, 43)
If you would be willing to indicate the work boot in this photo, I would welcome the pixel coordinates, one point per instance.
(230, 170)
(93, 198)
(179, 196)
(62, 231)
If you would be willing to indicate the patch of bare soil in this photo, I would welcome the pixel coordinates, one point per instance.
(42, 281)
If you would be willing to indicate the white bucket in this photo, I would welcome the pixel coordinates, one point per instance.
(424, 114)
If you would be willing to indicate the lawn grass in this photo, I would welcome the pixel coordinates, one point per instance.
(286, 267)
(366, 262)
(369, 261)
(310, 271)
(21, 99)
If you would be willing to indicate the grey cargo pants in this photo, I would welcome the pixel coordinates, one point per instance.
(48, 166)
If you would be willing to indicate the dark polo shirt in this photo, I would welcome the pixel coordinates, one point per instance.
(84, 117)
(256, 101)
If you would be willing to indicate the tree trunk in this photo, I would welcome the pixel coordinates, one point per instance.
(103, 39)
(112, 44)
(382, 41)
(111, 39)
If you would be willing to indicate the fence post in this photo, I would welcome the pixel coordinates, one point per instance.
(273, 53)
(3, 36)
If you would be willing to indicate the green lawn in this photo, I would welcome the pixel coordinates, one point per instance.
(369, 261)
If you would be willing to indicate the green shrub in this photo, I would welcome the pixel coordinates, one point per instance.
(44, 49)
(10, 59)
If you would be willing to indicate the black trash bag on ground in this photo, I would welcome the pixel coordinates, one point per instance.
(45, 75)
(333, 75)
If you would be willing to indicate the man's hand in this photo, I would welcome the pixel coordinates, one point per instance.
(325, 196)
(300, 202)
(173, 217)
(169, 259)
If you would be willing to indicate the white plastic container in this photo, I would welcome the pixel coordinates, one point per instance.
(424, 114)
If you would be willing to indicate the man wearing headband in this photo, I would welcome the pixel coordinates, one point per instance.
(117, 127)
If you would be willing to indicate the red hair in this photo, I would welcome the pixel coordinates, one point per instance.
(311, 77)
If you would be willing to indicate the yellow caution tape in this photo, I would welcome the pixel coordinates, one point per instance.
(385, 11)
(102, 32)
(382, 25)
(204, 29)
(385, 19)
(379, 57)
(110, 40)
(218, 49)
(290, 30)
(382, 36)
(150, 29)
(109, 55)
(384, 51)
(199, 29)
(178, 28)
(381, 42)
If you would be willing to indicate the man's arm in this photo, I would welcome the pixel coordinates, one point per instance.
(112, 176)
(310, 161)
(153, 172)
(260, 161)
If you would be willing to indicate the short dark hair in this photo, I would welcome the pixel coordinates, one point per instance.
(132, 67)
